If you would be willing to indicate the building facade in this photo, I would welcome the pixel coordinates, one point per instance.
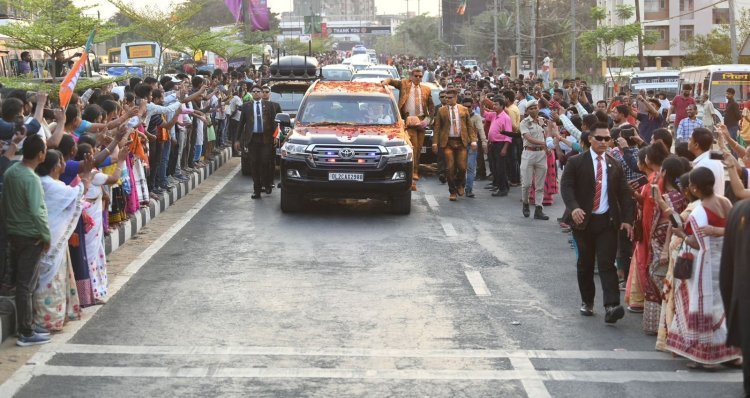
(673, 22)
(340, 9)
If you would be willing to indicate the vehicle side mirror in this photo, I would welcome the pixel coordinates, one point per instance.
(284, 119)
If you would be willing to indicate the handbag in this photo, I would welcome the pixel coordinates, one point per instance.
(683, 266)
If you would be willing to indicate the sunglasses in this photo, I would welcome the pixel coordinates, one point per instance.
(256, 91)
(601, 138)
(266, 91)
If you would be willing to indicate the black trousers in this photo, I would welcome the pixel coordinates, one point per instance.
(481, 167)
(598, 244)
(514, 160)
(271, 166)
(499, 165)
(24, 259)
(260, 155)
(232, 133)
(154, 158)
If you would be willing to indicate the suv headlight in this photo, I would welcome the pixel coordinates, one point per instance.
(400, 153)
(293, 150)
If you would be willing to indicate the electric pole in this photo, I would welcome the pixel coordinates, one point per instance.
(534, 6)
(733, 33)
(573, 41)
(518, 29)
(494, 19)
(641, 58)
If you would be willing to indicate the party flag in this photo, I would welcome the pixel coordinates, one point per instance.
(69, 83)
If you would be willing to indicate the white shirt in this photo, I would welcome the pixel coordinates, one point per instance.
(716, 167)
(234, 105)
(604, 197)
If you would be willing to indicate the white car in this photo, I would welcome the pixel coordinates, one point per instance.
(384, 68)
(370, 75)
(470, 63)
(338, 72)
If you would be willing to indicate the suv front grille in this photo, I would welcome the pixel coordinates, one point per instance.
(347, 156)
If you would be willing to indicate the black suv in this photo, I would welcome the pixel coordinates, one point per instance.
(348, 141)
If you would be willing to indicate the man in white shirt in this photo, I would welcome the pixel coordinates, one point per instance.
(700, 145)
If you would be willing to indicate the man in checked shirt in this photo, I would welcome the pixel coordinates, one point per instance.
(688, 124)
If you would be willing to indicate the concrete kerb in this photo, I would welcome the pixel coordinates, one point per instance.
(126, 231)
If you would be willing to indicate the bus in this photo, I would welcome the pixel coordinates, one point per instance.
(113, 55)
(142, 52)
(661, 81)
(714, 80)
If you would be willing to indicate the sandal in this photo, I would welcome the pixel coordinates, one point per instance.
(702, 367)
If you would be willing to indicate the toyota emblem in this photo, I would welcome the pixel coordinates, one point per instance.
(346, 153)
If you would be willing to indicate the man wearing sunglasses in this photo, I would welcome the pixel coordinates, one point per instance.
(415, 100)
(271, 170)
(599, 204)
(256, 127)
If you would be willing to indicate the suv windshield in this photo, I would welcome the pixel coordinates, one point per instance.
(325, 109)
(288, 97)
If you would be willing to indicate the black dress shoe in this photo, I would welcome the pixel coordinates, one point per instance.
(256, 195)
(587, 309)
(269, 190)
(614, 312)
(526, 211)
(500, 193)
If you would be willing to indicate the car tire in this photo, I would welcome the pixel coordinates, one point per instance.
(290, 202)
(401, 204)
(246, 169)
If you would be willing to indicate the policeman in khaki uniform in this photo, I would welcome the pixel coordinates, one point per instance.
(533, 159)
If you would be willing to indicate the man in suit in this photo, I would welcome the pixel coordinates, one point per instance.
(454, 133)
(271, 170)
(598, 203)
(256, 127)
(415, 100)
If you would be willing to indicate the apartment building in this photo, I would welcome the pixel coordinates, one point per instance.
(674, 22)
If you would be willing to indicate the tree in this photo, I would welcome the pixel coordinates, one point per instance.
(606, 38)
(416, 36)
(56, 25)
(169, 29)
(715, 47)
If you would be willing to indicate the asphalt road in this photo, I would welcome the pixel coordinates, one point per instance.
(464, 299)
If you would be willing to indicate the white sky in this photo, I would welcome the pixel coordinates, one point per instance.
(392, 6)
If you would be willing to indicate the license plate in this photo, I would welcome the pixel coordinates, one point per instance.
(346, 177)
(424, 149)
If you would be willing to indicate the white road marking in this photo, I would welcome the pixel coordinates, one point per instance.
(534, 388)
(618, 377)
(24, 374)
(351, 352)
(449, 230)
(432, 202)
(477, 282)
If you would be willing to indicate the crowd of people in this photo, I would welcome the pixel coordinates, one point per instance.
(653, 191)
(67, 176)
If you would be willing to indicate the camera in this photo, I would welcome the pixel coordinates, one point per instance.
(628, 134)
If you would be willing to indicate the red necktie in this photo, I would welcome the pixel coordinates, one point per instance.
(598, 192)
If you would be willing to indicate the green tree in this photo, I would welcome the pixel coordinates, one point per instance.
(606, 38)
(416, 36)
(56, 25)
(713, 48)
(170, 29)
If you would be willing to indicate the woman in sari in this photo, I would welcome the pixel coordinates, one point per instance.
(56, 297)
(675, 243)
(699, 331)
(653, 273)
(638, 281)
(97, 261)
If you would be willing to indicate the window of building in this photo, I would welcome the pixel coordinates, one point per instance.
(654, 5)
(661, 32)
(721, 16)
(686, 36)
(686, 9)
